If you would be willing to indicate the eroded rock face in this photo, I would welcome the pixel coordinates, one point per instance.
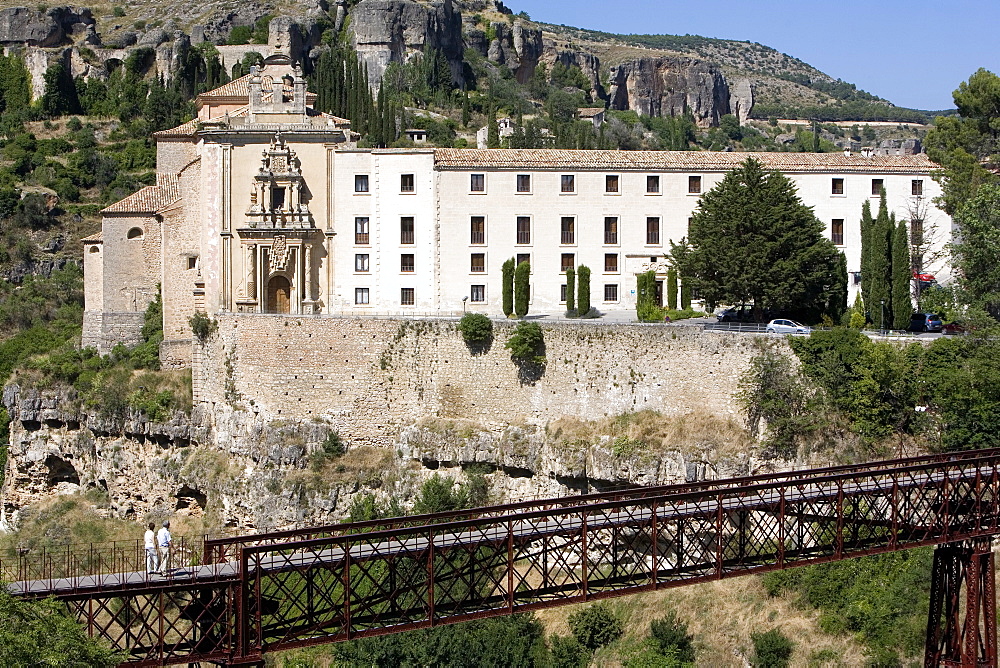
(588, 63)
(49, 28)
(385, 31)
(669, 86)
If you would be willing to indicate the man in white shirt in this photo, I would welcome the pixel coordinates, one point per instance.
(163, 540)
(149, 540)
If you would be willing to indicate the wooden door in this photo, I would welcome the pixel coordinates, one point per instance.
(278, 295)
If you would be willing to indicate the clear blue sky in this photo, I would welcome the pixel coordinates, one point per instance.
(914, 53)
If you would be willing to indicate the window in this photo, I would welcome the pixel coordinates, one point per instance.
(406, 262)
(567, 183)
(192, 261)
(837, 231)
(361, 262)
(524, 183)
(523, 230)
(877, 185)
(360, 295)
(360, 183)
(478, 265)
(477, 231)
(610, 292)
(856, 277)
(406, 296)
(652, 231)
(694, 185)
(477, 183)
(611, 183)
(567, 226)
(837, 187)
(361, 231)
(406, 183)
(277, 199)
(611, 263)
(610, 231)
(562, 292)
(917, 187)
(406, 230)
(653, 184)
(134, 233)
(567, 261)
(477, 293)
(917, 233)
(522, 257)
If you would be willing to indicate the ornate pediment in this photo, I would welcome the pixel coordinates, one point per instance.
(276, 201)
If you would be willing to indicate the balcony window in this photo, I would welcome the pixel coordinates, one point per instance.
(567, 227)
(477, 231)
(361, 231)
(567, 261)
(917, 187)
(837, 187)
(652, 231)
(611, 263)
(877, 185)
(524, 183)
(611, 183)
(653, 184)
(837, 231)
(611, 231)
(478, 264)
(694, 185)
(361, 262)
(406, 235)
(407, 184)
(523, 230)
(406, 263)
(477, 183)
(567, 183)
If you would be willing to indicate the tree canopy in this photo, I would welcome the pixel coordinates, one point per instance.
(962, 144)
(752, 240)
(975, 252)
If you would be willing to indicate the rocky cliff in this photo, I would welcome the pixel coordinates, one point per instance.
(667, 86)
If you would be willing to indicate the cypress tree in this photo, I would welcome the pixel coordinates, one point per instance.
(866, 248)
(645, 294)
(880, 268)
(837, 305)
(507, 286)
(571, 292)
(522, 289)
(466, 114)
(902, 303)
(672, 288)
(583, 292)
(685, 295)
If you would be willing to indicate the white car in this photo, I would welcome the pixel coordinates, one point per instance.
(787, 327)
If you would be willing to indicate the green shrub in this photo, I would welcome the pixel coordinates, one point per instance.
(671, 288)
(522, 290)
(526, 343)
(583, 291)
(646, 309)
(202, 326)
(331, 448)
(671, 635)
(476, 328)
(568, 652)
(771, 649)
(595, 626)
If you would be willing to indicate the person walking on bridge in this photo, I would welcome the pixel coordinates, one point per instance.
(164, 541)
(149, 540)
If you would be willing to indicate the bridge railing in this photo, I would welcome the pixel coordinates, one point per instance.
(49, 565)
(219, 550)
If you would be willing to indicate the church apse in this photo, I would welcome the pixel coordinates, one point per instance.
(280, 244)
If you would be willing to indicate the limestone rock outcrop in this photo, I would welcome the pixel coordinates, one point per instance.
(588, 63)
(385, 31)
(671, 86)
(51, 27)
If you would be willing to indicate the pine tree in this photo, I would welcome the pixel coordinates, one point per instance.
(570, 292)
(507, 286)
(522, 289)
(902, 302)
(583, 291)
(672, 288)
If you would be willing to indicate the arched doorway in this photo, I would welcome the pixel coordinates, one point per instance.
(279, 292)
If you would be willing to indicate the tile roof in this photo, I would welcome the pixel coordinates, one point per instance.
(93, 238)
(235, 88)
(150, 199)
(183, 130)
(457, 158)
(589, 112)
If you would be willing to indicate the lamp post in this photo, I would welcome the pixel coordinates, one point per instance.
(464, 299)
(882, 319)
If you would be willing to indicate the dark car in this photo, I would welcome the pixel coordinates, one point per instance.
(925, 322)
(955, 328)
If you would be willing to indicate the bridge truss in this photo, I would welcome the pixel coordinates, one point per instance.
(255, 594)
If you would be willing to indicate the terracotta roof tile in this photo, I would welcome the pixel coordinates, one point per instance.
(235, 88)
(93, 238)
(183, 130)
(150, 199)
(455, 158)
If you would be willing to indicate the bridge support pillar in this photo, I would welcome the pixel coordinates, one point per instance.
(969, 641)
